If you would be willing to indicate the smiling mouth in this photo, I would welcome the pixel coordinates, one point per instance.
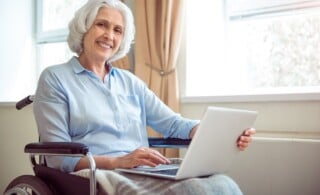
(104, 45)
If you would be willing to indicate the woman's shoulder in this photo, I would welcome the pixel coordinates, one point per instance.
(57, 71)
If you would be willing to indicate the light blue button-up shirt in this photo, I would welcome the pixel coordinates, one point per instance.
(73, 105)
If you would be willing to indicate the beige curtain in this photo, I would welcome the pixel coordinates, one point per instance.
(122, 63)
(157, 41)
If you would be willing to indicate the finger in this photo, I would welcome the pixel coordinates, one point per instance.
(245, 139)
(249, 132)
(241, 148)
(147, 162)
(157, 157)
(138, 159)
(242, 145)
(152, 155)
(132, 160)
(158, 154)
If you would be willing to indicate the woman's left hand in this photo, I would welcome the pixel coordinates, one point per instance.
(245, 138)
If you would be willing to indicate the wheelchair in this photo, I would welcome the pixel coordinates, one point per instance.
(50, 181)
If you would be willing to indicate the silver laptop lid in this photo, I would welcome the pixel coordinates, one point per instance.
(213, 147)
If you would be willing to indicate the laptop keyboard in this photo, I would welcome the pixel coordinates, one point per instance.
(176, 161)
(167, 171)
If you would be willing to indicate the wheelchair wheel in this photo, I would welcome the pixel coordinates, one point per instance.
(27, 185)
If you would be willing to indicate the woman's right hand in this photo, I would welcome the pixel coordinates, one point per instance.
(141, 156)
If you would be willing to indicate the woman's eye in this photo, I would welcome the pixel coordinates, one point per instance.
(100, 24)
(118, 30)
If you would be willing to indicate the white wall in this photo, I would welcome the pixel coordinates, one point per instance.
(278, 167)
(17, 129)
(294, 118)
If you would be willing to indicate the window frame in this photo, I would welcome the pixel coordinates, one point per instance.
(58, 35)
(43, 37)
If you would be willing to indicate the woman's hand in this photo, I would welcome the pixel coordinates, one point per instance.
(245, 138)
(141, 156)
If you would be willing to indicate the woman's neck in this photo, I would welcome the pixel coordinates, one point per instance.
(98, 67)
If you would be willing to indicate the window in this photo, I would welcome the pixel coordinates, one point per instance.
(53, 17)
(17, 50)
(250, 49)
(27, 51)
(53, 53)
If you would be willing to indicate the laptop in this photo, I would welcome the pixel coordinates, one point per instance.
(212, 149)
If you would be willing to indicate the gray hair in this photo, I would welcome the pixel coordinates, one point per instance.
(84, 17)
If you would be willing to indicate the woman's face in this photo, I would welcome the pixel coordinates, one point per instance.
(104, 37)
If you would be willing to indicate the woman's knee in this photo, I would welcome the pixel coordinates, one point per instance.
(223, 184)
(214, 185)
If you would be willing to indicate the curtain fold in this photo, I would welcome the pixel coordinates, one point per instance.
(157, 44)
(123, 63)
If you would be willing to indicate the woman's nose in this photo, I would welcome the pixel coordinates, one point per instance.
(108, 33)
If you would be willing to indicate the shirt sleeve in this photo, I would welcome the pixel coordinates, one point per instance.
(51, 115)
(164, 120)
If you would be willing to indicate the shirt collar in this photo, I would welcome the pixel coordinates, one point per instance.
(78, 68)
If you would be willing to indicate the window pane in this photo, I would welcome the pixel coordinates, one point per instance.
(56, 14)
(278, 51)
(205, 45)
(52, 54)
(274, 54)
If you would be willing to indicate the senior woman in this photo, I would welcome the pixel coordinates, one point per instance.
(87, 100)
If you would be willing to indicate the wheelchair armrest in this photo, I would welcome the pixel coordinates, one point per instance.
(157, 142)
(63, 148)
(73, 148)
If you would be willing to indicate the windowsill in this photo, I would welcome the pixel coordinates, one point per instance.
(262, 97)
(288, 135)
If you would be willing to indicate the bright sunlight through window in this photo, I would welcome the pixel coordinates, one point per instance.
(273, 54)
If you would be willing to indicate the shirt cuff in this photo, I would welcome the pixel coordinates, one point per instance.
(69, 163)
(185, 132)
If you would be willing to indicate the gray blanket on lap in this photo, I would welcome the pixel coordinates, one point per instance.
(112, 182)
